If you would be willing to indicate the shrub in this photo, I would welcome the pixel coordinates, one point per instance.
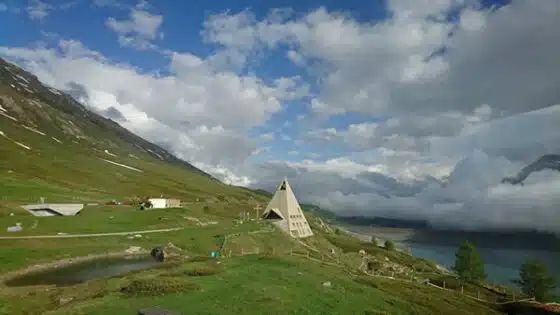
(389, 245)
(158, 286)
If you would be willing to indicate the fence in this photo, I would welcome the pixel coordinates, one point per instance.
(335, 261)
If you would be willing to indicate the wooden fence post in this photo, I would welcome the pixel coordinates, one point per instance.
(444, 284)
(307, 254)
(242, 252)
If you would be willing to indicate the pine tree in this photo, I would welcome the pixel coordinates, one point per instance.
(468, 263)
(535, 280)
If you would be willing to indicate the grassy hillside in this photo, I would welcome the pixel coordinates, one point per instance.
(52, 147)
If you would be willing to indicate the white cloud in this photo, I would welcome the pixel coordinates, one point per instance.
(140, 30)
(295, 57)
(285, 137)
(314, 155)
(267, 136)
(3, 7)
(403, 133)
(143, 5)
(108, 3)
(394, 66)
(38, 9)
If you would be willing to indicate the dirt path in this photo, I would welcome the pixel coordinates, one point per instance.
(88, 235)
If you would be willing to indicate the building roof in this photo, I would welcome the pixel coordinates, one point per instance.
(60, 208)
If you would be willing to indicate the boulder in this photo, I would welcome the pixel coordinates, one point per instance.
(158, 253)
(65, 300)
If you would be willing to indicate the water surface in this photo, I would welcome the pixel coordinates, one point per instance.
(501, 263)
(82, 272)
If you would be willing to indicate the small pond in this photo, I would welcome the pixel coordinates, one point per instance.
(82, 272)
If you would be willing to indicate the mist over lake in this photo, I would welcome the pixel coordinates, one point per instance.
(502, 253)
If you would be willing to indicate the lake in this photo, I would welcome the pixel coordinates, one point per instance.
(82, 272)
(501, 264)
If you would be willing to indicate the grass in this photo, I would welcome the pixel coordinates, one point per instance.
(351, 245)
(157, 286)
(193, 239)
(260, 285)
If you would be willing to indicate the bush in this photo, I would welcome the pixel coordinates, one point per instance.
(157, 286)
(389, 245)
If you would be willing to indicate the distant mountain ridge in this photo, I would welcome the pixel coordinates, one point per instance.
(65, 107)
(547, 161)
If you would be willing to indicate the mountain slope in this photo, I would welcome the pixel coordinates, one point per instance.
(547, 161)
(52, 146)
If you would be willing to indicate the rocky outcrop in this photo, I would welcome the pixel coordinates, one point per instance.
(548, 161)
(158, 254)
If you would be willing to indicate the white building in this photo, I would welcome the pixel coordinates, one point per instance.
(160, 203)
(285, 211)
(54, 209)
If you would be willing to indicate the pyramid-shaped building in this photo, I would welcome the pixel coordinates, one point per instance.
(285, 211)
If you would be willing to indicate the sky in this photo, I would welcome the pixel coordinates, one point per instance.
(400, 108)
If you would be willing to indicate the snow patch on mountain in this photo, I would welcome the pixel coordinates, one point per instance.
(34, 130)
(122, 165)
